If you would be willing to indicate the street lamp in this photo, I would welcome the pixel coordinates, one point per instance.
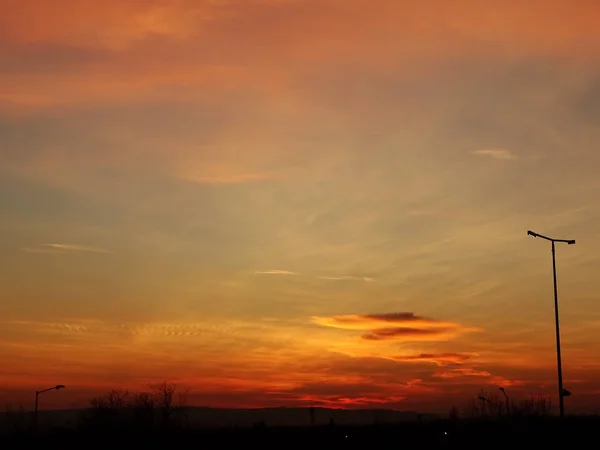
(37, 394)
(506, 398)
(561, 392)
(482, 399)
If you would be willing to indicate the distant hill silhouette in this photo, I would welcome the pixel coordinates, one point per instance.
(205, 417)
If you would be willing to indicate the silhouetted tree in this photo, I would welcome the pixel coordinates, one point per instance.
(107, 409)
(119, 407)
(454, 414)
(533, 406)
(474, 409)
(493, 406)
(115, 399)
(14, 420)
(142, 404)
(163, 395)
(182, 404)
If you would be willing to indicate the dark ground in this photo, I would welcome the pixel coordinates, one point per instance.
(529, 433)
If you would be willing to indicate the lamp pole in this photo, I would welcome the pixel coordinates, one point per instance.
(37, 394)
(561, 392)
(506, 398)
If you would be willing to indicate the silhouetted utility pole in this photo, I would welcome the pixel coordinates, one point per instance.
(312, 415)
(37, 394)
(561, 391)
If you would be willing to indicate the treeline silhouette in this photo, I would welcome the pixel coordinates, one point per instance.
(158, 418)
(163, 405)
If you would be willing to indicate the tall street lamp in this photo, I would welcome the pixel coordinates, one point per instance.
(561, 392)
(37, 394)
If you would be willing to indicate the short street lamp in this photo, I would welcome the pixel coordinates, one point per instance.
(37, 394)
(506, 398)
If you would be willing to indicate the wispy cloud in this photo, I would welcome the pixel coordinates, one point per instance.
(404, 326)
(441, 359)
(367, 279)
(406, 333)
(275, 272)
(64, 248)
(77, 248)
(462, 372)
(496, 153)
(144, 330)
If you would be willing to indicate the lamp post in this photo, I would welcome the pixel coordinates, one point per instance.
(506, 398)
(37, 394)
(482, 399)
(561, 392)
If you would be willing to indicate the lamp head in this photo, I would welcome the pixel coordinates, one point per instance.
(482, 398)
(501, 389)
(571, 242)
(59, 386)
(531, 233)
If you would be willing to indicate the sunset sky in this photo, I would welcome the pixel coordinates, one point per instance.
(298, 202)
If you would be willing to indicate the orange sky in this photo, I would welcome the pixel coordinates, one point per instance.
(297, 202)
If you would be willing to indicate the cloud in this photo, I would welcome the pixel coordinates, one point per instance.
(367, 279)
(496, 153)
(403, 326)
(91, 328)
(129, 37)
(397, 333)
(398, 317)
(77, 248)
(64, 248)
(441, 359)
(462, 372)
(460, 376)
(373, 321)
(276, 272)
(118, 25)
(122, 25)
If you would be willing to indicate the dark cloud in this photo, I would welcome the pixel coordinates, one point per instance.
(417, 327)
(370, 321)
(396, 317)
